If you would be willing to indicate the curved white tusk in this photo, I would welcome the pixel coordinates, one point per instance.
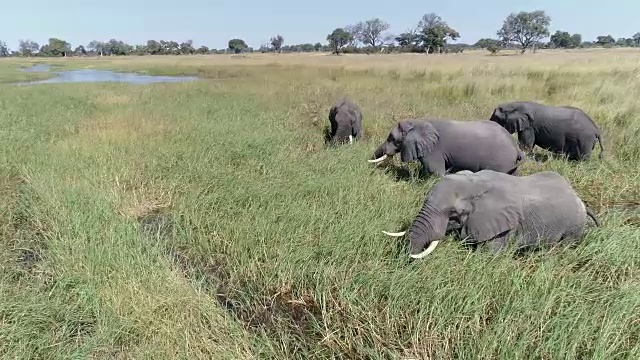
(350, 139)
(428, 251)
(380, 159)
(398, 234)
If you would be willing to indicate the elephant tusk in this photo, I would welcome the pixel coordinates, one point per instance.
(428, 251)
(398, 234)
(350, 139)
(380, 159)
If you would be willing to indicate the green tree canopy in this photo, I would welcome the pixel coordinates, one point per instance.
(492, 45)
(434, 32)
(576, 40)
(4, 50)
(605, 40)
(28, 47)
(338, 39)
(561, 39)
(370, 32)
(237, 45)
(525, 28)
(277, 42)
(56, 47)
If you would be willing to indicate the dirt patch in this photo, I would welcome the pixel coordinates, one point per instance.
(281, 311)
(27, 258)
(23, 230)
(157, 225)
(278, 309)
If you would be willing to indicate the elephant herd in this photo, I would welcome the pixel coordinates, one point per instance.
(480, 194)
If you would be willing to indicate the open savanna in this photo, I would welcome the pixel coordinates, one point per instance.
(208, 220)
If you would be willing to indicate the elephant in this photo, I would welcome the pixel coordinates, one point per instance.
(345, 118)
(563, 130)
(445, 145)
(490, 206)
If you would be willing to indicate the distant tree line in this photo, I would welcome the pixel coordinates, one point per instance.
(431, 35)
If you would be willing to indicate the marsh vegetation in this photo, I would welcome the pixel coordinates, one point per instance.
(208, 220)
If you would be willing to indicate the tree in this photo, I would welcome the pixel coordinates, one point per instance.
(96, 46)
(80, 50)
(370, 32)
(636, 38)
(576, 40)
(624, 42)
(525, 28)
(170, 47)
(492, 45)
(237, 45)
(153, 47)
(434, 32)
(561, 39)
(605, 40)
(277, 42)
(28, 47)
(351, 30)
(338, 39)
(56, 47)
(187, 47)
(317, 46)
(4, 50)
(117, 47)
(408, 40)
(202, 50)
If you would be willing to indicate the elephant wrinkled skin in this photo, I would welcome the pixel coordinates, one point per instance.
(563, 130)
(345, 118)
(539, 209)
(443, 145)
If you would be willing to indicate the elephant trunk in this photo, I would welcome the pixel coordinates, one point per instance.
(379, 151)
(380, 154)
(429, 227)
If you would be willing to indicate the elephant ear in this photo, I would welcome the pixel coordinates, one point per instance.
(517, 119)
(332, 114)
(419, 140)
(494, 212)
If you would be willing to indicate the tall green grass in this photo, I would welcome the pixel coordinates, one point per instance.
(208, 220)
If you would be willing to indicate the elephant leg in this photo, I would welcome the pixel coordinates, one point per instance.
(571, 148)
(584, 148)
(433, 164)
(496, 245)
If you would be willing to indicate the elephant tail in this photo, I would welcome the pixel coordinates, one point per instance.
(593, 216)
(599, 137)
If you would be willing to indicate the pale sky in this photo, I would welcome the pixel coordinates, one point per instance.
(213, 23)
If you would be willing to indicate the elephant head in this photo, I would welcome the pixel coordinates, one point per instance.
(482, 208)
(413, 139)
(514, 117)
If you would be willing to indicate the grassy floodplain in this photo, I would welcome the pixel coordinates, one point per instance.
(207, 220)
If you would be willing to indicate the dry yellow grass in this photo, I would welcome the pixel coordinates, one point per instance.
(596, 59)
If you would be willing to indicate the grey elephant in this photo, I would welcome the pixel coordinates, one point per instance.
(563, 130)
(345, 118)
(539, 209)
(444, 145)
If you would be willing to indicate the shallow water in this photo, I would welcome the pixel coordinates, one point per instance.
(92, 75)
